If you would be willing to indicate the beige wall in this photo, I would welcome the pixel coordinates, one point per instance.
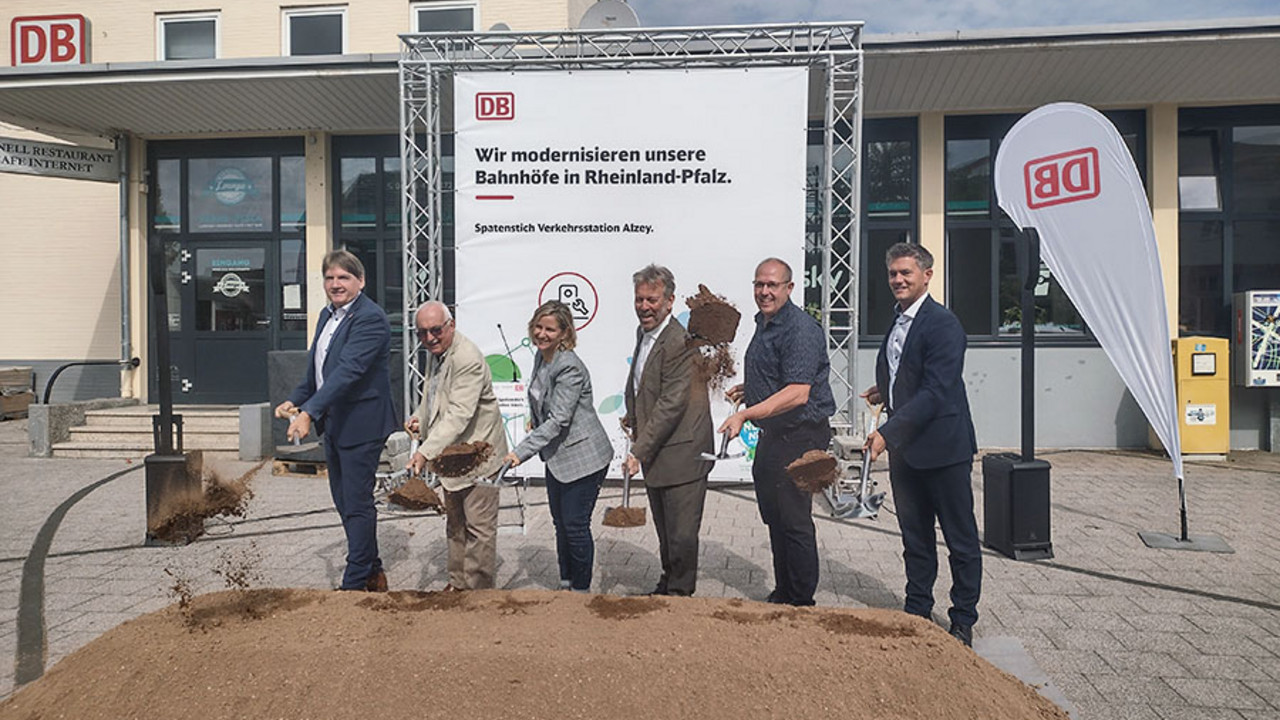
(123, 31)
(61, 247)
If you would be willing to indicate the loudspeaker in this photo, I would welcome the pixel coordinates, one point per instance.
(1016, 506)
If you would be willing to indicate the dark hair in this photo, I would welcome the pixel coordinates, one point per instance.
(779, 261)
(655, 274)
(564, 319)
(345, 260)
(922, 256)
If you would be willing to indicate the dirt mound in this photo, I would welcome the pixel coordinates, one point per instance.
(458, 460)
(522, 654)
(814, 471)
(415, 495)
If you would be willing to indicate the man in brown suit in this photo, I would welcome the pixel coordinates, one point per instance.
(669, 417)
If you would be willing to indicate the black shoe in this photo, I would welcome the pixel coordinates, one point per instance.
(660, 590)
(777, 598)
(963, 633)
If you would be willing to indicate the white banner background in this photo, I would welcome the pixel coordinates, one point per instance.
(751, 124)
(1065, 170)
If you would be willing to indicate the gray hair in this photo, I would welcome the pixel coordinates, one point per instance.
(653, 274)
(435, 304)
(923, 257)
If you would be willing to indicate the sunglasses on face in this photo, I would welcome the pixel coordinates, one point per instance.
(436, 331)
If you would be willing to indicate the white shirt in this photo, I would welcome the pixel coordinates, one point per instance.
(898, 340)
(646, 346)
(326, 337)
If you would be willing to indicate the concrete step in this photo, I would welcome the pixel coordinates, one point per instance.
(198, 423)
(132, 438)
(112, 451)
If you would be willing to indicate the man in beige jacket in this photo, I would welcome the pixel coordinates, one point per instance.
(458, 406)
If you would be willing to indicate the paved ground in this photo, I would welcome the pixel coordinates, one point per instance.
(1123, 630)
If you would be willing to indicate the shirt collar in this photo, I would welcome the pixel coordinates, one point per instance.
(786, 308)
(912, 311)
(654, 333)
(341, 312)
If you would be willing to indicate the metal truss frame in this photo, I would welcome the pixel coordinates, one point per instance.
(831, 51)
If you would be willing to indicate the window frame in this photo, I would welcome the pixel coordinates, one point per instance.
(415, 7)
(163, 19)
(994, 128)
(286, 26)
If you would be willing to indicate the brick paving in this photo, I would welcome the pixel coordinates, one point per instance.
(1122, 630)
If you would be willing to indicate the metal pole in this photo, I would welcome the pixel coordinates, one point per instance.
(1030, 247)
(126, 337)
(160, 315)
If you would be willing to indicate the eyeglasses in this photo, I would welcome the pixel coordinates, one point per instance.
(436, 331)
(761, 285)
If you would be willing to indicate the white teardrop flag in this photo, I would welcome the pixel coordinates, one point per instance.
(1064, 170)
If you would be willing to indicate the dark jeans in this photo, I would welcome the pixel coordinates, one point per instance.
(351, 477)
(787, 511)
(571, 507)
(944, 494)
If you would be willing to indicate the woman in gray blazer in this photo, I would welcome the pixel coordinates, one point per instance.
(568, 436)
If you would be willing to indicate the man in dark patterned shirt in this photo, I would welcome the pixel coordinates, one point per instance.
(787, 394)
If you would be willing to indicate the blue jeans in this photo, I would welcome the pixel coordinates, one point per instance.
(571, 506)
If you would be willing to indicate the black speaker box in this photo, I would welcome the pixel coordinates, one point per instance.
(1016, 506)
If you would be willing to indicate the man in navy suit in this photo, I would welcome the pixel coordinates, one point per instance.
(347, 395)
(930, 438)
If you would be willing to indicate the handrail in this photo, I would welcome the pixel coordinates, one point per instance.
(48, 388)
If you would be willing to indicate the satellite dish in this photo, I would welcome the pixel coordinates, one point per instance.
(500, 27)
(608, 15)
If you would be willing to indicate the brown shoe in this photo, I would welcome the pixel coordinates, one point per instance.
(451, 588)
(377, 582)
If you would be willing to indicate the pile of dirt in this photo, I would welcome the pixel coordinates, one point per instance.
(415, 495)
(461, 459)
(183, 521)
(814, 471)
(713, 324)
(521, 654)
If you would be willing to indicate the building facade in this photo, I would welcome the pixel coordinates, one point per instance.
(256, 137)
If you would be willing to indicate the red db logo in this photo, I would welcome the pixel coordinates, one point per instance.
(1062, 178)
(496, 106)
(48, 40)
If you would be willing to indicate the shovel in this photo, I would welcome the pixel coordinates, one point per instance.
(625, 516)
(724, 453)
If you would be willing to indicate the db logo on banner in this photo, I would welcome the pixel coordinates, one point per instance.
(496, 106)
(1062, 178)
(48, 40)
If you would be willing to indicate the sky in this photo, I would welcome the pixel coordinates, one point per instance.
(906, 16)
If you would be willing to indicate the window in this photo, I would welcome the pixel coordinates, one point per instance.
(444, 16)
(1229, 224)
(983, 287)
(315, 31)
(187, 37)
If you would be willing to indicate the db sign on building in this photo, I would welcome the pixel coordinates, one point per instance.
(49, 40)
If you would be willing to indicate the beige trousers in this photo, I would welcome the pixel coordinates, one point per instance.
(471, 525)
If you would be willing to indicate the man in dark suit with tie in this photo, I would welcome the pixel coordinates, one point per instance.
(669, 416)
(930, 439)
(347, 395)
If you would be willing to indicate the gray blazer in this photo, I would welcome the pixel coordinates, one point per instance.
(567, 434)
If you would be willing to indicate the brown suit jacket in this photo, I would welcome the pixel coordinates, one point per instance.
(671, 413)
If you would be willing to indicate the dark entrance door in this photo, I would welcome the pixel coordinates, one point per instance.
(232, 216)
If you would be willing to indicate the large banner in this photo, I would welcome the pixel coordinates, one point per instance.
(568, 182)
(1064, 170)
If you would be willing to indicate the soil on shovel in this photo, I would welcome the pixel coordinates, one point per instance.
(414, 494)
(712, 319)
(623, 517)
(183, 522)
(814, 471)
(485, 654)
(713, 324)
(458, 460)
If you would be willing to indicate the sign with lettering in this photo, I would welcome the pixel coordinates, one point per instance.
(70, 161)
(49, 40)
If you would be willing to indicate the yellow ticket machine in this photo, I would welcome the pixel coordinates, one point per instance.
(1202, 375)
